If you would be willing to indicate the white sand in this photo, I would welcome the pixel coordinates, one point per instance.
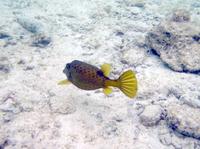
(37, 113)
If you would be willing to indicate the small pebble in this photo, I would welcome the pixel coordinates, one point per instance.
(41, 42)
(5, 68)
(29, 68)
(119, 33)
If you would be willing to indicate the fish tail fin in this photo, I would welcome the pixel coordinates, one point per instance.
(128, 83)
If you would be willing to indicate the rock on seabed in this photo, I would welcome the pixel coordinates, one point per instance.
(151, 115)
(177, 42)
(184, 120)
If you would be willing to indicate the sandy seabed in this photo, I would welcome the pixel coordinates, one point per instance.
(38, 38)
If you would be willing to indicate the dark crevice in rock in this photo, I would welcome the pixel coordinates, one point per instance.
(184, 70)
(4, 35)
(189, 71)
(42, 42)
(119, 33)
(167, 34)
(4, 144)
(153, 51)
(185, 133)
(5, 68)
(174, 126)
(163, 115)
(196, 38)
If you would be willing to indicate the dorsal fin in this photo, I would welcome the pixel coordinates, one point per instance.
(106, 68)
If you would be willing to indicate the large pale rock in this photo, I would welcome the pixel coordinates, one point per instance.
(151, 115)
(184, 120)
(177, 42)
(30, 24)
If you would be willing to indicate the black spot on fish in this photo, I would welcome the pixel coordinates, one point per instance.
(93, 75)
(76, 67)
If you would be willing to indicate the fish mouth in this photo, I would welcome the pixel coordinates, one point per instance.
(66, 71)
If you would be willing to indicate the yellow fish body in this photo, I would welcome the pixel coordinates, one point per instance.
(89, 77)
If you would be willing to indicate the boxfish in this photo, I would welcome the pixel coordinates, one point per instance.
(88, 77)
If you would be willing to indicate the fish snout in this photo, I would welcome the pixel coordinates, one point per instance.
(66, 71)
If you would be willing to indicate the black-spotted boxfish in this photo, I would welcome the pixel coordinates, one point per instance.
(89, 77)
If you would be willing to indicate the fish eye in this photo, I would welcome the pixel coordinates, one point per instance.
(68, 66)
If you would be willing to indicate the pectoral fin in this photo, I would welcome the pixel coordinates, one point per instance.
(106, 68)
(64, 82)
(107, 91)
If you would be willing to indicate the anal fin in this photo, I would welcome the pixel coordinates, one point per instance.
(107, 91)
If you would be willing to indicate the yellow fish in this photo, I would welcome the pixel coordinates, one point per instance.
(89, 77)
